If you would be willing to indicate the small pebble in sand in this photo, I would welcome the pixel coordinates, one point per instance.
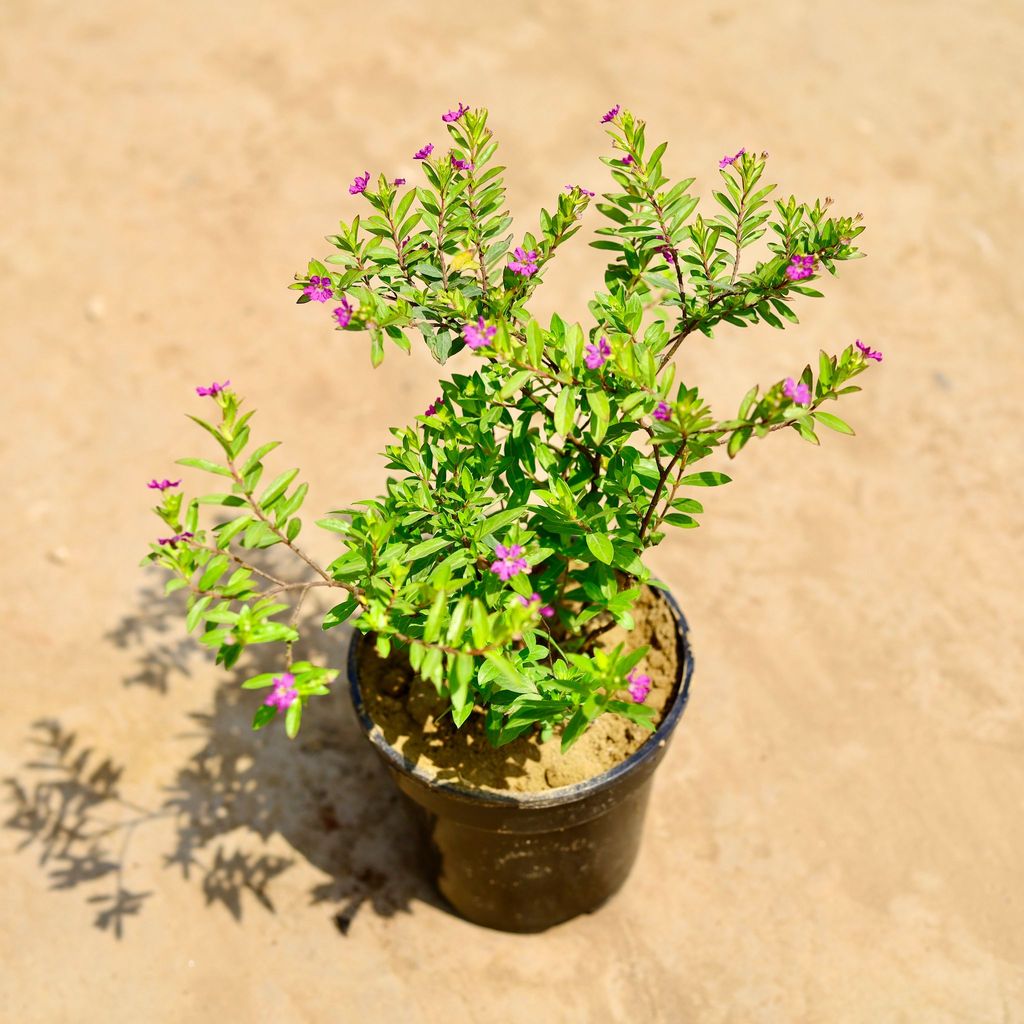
(59, 556)
(96, 308)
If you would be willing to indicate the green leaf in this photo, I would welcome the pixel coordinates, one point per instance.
(432, 627)
(601, 547)
(513, 384)
(706, 478)
(334, 525)
(214, 570)
(565, 411)
(278, 487)
(574, 729)
(250, 463)
(228, 531)
(206, 464)
(427, 547)
(462, 704)
(195, 613)
(492, 524)
(834, 422)
(264, 715)
(340, 612)
(738, 440)
(292, 719)
(601, 414)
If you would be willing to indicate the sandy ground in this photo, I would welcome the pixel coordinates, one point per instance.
(837, 833)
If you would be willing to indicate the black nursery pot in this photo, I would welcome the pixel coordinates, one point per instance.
(524, 862)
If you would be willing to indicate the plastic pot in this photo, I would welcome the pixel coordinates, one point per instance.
(522, 862)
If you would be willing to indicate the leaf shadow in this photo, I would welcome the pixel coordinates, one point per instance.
(229, 806)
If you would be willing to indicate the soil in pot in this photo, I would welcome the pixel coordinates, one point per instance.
(411, 717)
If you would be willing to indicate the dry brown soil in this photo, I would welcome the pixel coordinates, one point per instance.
(415, 721)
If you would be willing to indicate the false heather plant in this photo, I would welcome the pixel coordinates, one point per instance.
(513, 530)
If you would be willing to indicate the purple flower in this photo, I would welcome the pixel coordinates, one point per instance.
(868, 352)
(162, 485)
(596, 355)
(460, 165)
(398, 181)
(454, 115)
(213, 389)
(639, 686)
(283, 693)
(667, 251)
(663, 412)
(343, 313)
(480, 334)
(627, 160)
(177, 538)
(611, 115)
(434, 407)
(546, 610)
(424, 152)
(319, 288)
(727, 160)
(360, 183)
(510, 562)
(523, 262)
(800, 267)
(799, 393)
(580, 189)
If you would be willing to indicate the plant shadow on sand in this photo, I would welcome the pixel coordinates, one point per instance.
(325, 793)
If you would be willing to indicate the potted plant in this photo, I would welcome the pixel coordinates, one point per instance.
(515, 663)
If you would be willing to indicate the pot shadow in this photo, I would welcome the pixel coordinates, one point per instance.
(325, 794)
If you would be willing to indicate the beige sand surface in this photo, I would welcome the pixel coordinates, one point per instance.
(837, 834)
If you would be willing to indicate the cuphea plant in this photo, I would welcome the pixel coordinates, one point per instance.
(512, 533)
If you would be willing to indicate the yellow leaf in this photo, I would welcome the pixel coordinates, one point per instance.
(465, 261)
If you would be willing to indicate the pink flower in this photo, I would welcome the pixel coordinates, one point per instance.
(596, 355)
(611, 115)
(663, 412)
(510, 562)
(800, 267)
(546, 610)
(343, 313)
(460, 165)
(283, 694)
(454, 115)
(580, 189)
(627, 160)
(639, 686)
(523, 262)
(176, 539)
(398, 181)
(799, 393)
(480, 334)
(435, 405)
(319, 288)
(667, 251)
(727, 160)
(162, 485)
(423, 152)
(359, 184)
(868, 352)
(212, 390)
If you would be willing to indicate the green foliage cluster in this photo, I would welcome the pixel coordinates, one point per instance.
(583, 466)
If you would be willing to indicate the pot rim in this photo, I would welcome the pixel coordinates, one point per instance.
(561, 794)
